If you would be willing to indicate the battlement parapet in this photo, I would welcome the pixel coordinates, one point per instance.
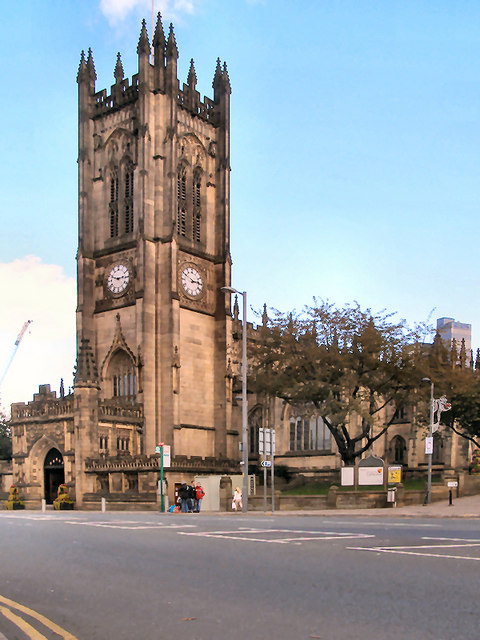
(152, 463)
(190, 101)
(133, 412)
(121, 94)
(46, 409)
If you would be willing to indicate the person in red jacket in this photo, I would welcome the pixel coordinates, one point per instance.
(199, 495)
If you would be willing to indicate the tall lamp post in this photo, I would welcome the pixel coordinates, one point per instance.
(430, 434)
(244, 397)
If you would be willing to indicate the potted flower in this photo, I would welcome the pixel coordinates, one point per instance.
(15, 501)
(63, 500)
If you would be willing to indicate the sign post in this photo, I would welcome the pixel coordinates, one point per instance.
(162, 506)
(159, 449)
(266, 447)
(272, 453)
(261, 450)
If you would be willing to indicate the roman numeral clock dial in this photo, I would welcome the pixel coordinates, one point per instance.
(192, 282)
(118, 279)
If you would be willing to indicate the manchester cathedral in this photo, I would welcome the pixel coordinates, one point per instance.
(153, 327)
(157, 341)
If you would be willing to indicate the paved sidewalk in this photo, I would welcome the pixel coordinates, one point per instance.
(468, 507)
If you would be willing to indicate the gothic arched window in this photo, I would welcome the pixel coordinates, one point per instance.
(113, 205)
(399, 449)
(121, 199)
(189, 202)
(196, 210)
(255, 422)
(438, 456)
(309, 434)
(128, 203)
(121, 377)
(182, 201)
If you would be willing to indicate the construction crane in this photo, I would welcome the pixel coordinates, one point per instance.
(17, 343)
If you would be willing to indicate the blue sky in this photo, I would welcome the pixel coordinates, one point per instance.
(354, 143)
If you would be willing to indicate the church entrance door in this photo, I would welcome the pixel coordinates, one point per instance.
(54, 474)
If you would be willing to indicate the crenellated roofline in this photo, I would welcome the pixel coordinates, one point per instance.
(157, 73)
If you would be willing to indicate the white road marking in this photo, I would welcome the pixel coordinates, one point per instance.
(380, 523)
(297, 538)
(453, 539)
(421, 549)
(131, 525)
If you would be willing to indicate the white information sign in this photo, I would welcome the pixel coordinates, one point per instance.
(429, 445)
(452, 483)
(166, 455)
(370, 475)
(347, 476)
(266, 441)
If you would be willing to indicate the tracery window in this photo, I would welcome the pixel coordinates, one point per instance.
(128, 204)
(123, 444)
(113, 207)
(309, 434)
(103, 443)
(399, 448)
(438, 456)
(121, 377)
(182, 202)
(121, 210)
(255, 422)
(196, 212)
(189, 203)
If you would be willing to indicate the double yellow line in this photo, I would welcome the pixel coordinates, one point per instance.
(27, 628)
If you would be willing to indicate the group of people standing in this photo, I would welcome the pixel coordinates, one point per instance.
(190, 497)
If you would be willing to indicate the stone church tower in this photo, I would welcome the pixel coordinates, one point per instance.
(152, 323)
(153, 327)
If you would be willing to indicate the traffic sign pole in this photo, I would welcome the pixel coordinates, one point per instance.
(162, 506)
(272, 451)
(264, 488)
(160, 446)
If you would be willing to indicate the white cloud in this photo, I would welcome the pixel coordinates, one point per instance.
(33, 290)
(117, 10)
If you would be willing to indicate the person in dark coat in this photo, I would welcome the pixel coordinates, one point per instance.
(183, 494)
(192, 497)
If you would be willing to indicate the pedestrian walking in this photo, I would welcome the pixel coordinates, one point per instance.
(237, 500)
(200, 494)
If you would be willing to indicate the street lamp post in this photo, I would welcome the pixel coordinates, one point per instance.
(244, 397)
(430, 434)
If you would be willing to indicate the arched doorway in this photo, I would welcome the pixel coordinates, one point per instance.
(54, 474)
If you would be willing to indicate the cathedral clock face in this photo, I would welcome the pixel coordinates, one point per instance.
(118, 279)
(192, 282)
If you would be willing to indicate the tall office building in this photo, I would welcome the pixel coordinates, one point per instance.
(449, 329)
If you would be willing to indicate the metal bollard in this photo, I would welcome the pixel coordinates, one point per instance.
(450, 498)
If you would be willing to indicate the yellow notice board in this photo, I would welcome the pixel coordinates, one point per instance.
(394, 475)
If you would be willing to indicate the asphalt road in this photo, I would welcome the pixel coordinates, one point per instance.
(129, 576)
